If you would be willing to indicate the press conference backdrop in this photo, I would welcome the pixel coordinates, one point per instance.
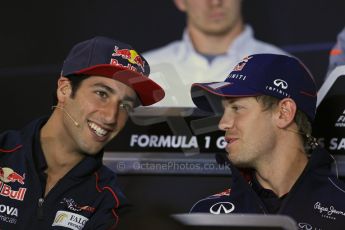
(329, 125)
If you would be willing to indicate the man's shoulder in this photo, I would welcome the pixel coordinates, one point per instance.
(164, 52)
(10, 141)
(264, 47)
(258, 46)
(107, 181)
(248, 43)
(106, 176)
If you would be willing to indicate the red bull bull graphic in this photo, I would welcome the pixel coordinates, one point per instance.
(240, 65)
(124, 53)
(15, 177)
(131, 55)
(7, 175)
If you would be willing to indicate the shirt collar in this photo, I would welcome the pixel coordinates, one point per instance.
(241, 40)
(37, 152)
(261, 191)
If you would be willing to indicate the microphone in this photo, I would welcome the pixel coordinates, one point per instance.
(69, 115)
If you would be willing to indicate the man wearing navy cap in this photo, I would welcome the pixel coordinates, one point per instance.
(51, 172)
(268, 103)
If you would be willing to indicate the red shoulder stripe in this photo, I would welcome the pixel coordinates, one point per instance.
(108, 188)
(11, 150)
(114, 195)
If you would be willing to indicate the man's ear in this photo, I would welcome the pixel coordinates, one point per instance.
(285, 112)
(180, 4)
(63, 88)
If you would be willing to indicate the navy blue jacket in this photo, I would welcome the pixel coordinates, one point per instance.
(87, 197)
(316, 200)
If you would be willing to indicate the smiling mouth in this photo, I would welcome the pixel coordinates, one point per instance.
(230, 140)
(99, 131)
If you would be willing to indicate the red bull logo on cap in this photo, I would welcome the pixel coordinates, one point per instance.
(8, 175)
(240, 65)
(130, 55)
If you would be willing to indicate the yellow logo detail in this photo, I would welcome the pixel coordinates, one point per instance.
(60, 218)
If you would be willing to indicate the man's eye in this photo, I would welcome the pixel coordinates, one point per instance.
(234, 107)
(102, 94)
(126, 106)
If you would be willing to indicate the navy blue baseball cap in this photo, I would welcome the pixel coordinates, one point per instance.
(107, 57)
(274, 75)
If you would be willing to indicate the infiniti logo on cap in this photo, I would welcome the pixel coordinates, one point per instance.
(280, 83)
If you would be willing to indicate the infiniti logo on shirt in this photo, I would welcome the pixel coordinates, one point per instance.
(280, 83)
(305, 226)
(222, 207)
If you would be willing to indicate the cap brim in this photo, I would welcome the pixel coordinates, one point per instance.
(147, 90)
(207, 96)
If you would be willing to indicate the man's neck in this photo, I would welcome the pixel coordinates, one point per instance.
(213, 44)
(282, 172)
(60, 159)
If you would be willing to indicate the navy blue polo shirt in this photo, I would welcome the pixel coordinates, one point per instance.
(87, 197)
(271, 201)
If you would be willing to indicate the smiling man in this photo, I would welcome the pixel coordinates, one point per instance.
(267, 104)
(51, 172)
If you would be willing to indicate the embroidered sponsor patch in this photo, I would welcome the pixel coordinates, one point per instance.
(69, 220)
(8, 214)
(224, 193)
(222, 208)
(73, 206)
(305, 226)
(240, 65)
(328, 211)
(7, 177)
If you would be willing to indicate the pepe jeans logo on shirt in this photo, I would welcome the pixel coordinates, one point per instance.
(329, 212)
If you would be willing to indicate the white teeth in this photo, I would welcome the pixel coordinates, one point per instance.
(98, 130)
